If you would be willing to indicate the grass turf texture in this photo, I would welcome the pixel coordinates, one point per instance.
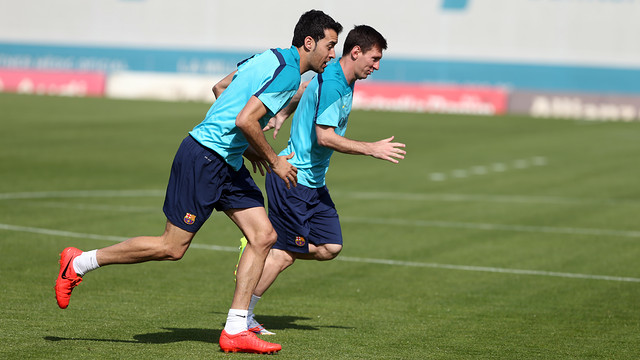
(573, 213)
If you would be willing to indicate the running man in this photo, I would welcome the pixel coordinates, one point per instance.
(305, 218)
(208, 173)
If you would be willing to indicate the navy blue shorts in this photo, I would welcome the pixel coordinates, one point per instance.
(201, 181)
(301, 215)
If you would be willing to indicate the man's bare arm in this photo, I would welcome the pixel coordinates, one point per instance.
(219, 87)
(277, 121)
(248, 122)
(384, 149)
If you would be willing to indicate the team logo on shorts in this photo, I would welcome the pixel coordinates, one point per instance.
(189, 219)
(300, 241)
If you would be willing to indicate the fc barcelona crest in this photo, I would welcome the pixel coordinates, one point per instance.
(300, 241)
(189, 219)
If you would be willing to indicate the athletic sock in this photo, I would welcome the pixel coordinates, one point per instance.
(85, 262)
(236, 321)
(252, 304)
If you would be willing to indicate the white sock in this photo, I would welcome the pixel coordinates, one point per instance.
(236, 321)
(252, 304)
(85, 262)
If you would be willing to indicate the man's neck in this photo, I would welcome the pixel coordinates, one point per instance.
(348, 68)
(304, 67)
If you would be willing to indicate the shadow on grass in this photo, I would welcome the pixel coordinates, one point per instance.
(290, 322)
(173, 335)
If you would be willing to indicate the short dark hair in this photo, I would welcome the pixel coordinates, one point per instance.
(364, 36)
(313, 23)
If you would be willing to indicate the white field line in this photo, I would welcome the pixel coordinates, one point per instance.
(97, 207)
(480, 198)
(68, 234)
(362, 196)
(345, 194)
(491, 227)
(393, 222)
(81, 194)
(498, 167)
(488, 269)
(353, 195)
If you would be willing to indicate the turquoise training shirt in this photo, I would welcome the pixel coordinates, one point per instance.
(273, 77)
(326, 101)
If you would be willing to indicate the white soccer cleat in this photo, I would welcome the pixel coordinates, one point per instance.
(257, 328)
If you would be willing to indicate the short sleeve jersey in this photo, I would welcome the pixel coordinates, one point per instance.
(273, 77)
(326, 101)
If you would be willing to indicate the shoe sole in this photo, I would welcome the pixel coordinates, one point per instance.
(250, 352)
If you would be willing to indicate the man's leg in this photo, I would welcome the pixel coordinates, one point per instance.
(74, 263)
(256, 227)
(322, 252)
(171, 245)
(276, 262)
(260, 235)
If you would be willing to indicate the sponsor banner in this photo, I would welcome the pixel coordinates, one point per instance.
(576, 106)
(430, 98)
(117, 59)
(547, 76)
(65, 83)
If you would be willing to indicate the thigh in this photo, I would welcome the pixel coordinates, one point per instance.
(253, 222)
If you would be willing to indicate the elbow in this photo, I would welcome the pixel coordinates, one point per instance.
(303, 86)
(216, 91)
(323, 141)
(241, 122)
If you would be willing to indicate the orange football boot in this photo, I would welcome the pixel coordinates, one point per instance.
(67, 278)
(248, 342)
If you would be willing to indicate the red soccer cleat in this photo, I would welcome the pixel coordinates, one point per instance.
(67, 278)
(248, 342)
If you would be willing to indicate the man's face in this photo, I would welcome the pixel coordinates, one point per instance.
(323, 51)
(368, 62)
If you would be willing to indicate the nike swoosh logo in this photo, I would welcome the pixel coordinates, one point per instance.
(242, 316)
(64, 273)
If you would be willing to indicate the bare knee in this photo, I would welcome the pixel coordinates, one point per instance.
(264, 240)
(174, 253)
(327, 252)
(175, 243)
(281, 257)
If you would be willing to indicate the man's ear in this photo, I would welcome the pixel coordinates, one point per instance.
(356, 51)
(309, 43)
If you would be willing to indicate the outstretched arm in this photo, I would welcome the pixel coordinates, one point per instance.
(384, 149)
(277, 121)
(248, 122)
(222, 85)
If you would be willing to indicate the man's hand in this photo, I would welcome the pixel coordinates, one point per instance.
(279, 119)
(387, 150)
(285, 170)
(276, 123)
(257, 162)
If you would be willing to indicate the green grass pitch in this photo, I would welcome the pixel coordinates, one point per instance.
(496, 238)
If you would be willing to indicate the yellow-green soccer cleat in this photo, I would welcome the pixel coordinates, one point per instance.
(243, 244)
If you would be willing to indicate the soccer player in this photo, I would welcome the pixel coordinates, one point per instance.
(305, 218)
(208, 173)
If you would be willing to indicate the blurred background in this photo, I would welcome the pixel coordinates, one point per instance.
(577, 59)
